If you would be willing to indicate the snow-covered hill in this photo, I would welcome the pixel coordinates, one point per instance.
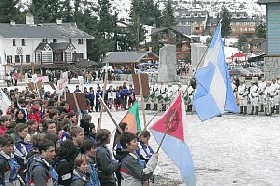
(213, 6)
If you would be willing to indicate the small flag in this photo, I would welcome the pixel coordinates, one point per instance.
(172, 124)
(132, 118)
(4, 101)
(34, 78)
(214, 95)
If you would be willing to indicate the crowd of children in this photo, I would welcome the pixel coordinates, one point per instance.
(42, 142)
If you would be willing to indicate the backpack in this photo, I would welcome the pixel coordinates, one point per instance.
(30, 168)
(13, 168)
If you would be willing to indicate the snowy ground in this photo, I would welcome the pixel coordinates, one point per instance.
(228, 150)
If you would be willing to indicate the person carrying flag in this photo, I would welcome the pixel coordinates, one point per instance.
(134, 170)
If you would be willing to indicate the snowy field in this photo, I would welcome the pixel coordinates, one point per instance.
(228, 150)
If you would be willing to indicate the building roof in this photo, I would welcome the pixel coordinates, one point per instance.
(212, 21)
(54, 46)
(184, 30)
(41, 31)
(190, 19)
(41, 47)
(268, 1)
(61, 46)
(126, 57)
(86, 63)
(243, 20)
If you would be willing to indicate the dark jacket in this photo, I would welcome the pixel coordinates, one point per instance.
(64, 171)
(80, 179)
(8, 170)
(40, 173)
(106, 166)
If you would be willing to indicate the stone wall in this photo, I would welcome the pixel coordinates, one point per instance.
(271, 67)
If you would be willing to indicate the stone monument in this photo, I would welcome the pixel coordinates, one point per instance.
(167, 65)
(197, 52)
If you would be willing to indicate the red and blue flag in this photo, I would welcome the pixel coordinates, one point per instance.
(174, 145)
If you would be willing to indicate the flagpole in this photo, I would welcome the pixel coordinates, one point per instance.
(103, 94)
(168, 126)
(205, 51)
(142, 100)
(110, 114)
(150, 121)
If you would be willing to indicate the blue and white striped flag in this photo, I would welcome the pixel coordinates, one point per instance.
(214, 95)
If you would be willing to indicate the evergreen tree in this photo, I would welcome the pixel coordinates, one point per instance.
(157, 15)
(226, 19)
(156, 43)
(105, 33)
(135, 28)
(9, 11)
(148, 12)
(89, 24)
(66, 12)
(168, 18)
(261, 30)
(45, 11)
(242, 44)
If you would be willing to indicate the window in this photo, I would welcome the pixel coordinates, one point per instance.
(9, 59)
(38, 58)
(22, 42)
(80, 41)
(54, 40)
(14, 42)
(27, 59)
(17, 59)
(77, 56)
(45, 40)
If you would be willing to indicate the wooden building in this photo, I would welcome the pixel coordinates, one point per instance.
(176, 35)
(129, 60)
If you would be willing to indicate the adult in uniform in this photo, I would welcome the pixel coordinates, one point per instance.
(270, 92)
(154, 101)
(162, 94)
(243, 97)
(254, 98)
(276, 86)
(189, 101)
(261, 89)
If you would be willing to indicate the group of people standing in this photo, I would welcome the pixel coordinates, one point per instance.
(162, 95)
(42, 142)
(260, 96)
(120, 98)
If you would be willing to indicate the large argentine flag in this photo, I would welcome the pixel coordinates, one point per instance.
(214, 95)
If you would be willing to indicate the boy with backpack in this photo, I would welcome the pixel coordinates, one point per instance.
(9, 168)
(40, 171)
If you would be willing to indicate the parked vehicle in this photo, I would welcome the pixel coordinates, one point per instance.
(151, 71)
(256, 72)
(241, 72)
